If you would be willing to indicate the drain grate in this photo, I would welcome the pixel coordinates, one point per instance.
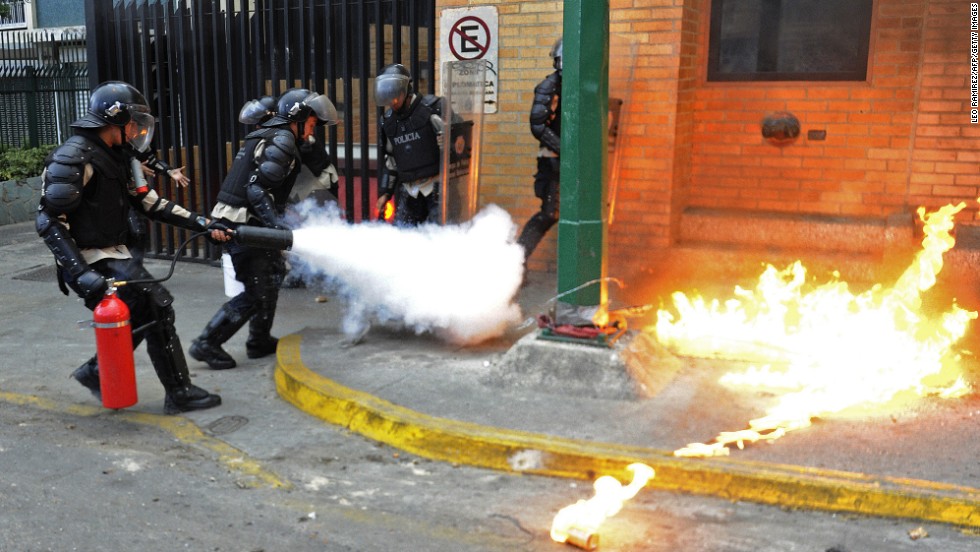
(226, 425)
(40, 273)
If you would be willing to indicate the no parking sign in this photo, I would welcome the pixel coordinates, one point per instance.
(467, 34)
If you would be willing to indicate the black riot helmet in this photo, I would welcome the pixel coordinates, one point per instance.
(393, 82)
(556, 54)
(117, 103)
(298, 104)
(258, 111)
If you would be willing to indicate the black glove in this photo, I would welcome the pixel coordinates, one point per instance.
(91, 285)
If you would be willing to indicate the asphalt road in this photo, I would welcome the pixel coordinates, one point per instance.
(81, 481)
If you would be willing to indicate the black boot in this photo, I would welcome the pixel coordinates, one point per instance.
(167, 357)
(187, 398)
(260, 342)
(207, 347)
(88, 375)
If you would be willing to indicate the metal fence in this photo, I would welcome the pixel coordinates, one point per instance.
(198, 61)
(44, 86)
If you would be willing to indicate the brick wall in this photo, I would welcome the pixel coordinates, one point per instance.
(900, 140)
(944, 149)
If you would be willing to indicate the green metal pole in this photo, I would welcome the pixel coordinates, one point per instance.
(584, 129)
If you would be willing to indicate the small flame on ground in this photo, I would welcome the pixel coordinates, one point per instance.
(579, 523)
(827, 349)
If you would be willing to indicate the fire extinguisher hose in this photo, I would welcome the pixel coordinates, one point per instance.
(173, 265)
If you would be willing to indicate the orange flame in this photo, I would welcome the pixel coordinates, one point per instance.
(579, 523)
(827, 350)
(388, 211)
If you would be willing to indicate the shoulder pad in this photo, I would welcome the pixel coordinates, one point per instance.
(61, 188)
(75, 151)
(434, 103)
(260, 133)
(277, 158)
(64, 175)
(550, 85)
(284, 140)
(430, 100)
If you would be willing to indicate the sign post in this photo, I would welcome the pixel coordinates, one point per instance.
(471, 34)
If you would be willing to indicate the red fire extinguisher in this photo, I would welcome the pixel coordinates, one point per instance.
(114, 349)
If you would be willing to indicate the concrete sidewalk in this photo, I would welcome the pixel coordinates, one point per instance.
(435, 400)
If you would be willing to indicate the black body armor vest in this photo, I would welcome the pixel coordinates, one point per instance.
(414, 140)
(233, 188)
(102, 218)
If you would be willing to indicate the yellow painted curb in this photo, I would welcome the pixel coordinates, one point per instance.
(181, 428)
(523, 452)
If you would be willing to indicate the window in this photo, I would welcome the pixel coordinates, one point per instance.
(780, 40)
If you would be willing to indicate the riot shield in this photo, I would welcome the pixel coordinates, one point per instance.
(462, 123)
(622, 61)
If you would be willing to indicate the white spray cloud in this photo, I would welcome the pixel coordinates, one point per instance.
(458, 281)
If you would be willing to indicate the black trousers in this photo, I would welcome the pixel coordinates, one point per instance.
(151, 316)
(546, 185)
(412, 211)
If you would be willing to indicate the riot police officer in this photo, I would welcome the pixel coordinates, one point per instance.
(545, 122)
(411, 129)
(87, 195)
(323, 187)
(255, 192)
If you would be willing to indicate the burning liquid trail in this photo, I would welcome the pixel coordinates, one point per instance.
(830, 349)
(578, 523)
(457, 281)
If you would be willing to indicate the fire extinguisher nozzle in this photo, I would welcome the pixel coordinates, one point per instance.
(264, 238)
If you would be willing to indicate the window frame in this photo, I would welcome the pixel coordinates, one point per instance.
(714, 75)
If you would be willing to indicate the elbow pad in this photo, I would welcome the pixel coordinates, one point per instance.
(60, 243)
(262, 205)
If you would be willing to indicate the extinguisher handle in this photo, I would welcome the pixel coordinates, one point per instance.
(92, 285)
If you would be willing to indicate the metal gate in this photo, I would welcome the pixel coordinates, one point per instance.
(43, 86)
(199, 61)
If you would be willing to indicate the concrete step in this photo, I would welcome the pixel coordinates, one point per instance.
(740, 264)
(724, 245)
(783, 231)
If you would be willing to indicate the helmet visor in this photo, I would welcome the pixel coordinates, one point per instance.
(388, 88)
(253, 113)
(144, 129)
(323, 108)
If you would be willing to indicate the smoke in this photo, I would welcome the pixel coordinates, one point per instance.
(459, 282)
